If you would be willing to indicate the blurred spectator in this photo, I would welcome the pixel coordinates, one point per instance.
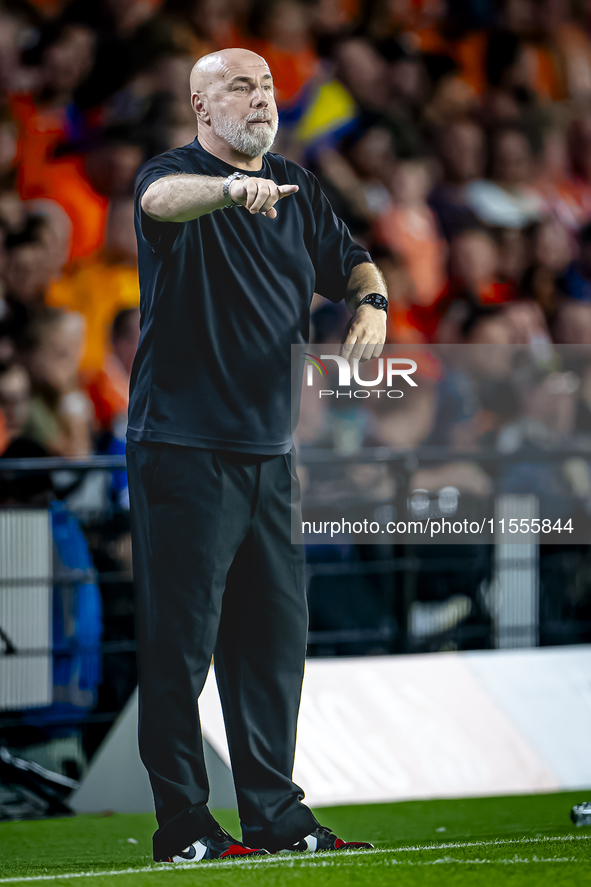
(109, 391)
(367, 91)
(409, 229)
(546, 418)
(201, 26)
(473, 397)
(474, 266)
(28, 268)
(167, 119)
(474, 262)
(406, 423)
(102, 285)
(109, 387)
(550, 253)
(47, 119)
(572, 322)
(462, 152)
(354, 178)
(15, 405)
(10, 48)
(523, 64)
(10, 213)
(577, 279)
(281, 33)
(568, 200)
(60, 414)
(15, 399)
(111, 160)
(11, 318)
(570, 48)
(408, 92)
(509, 200)
(132, 35)
(513, 255)
(364, 72)
(579, 149)
(487, 326)
(11, 207)
(527, 323)
(54, 232)
(402, 327)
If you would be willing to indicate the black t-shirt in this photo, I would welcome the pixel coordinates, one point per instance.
(223, 298)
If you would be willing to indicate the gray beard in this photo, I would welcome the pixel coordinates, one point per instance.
(251, 142)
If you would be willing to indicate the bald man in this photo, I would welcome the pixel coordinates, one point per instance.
(232, 243)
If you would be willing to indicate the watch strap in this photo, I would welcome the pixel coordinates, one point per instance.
(226, 187)
(376, 300)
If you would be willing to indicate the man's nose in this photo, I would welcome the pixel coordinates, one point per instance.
(260, 98)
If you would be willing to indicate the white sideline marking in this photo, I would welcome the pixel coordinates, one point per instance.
(324, 860)
(515, 861)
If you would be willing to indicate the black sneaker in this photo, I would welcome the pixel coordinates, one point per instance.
(323, 839)
(217, 844)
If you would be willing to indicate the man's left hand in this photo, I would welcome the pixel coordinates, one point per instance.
(365, 334)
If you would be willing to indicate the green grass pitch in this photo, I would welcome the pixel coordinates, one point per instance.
(519, 840)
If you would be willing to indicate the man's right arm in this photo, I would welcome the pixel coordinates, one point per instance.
(183, 197)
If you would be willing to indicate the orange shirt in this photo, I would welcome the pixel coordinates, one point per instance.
(573, 59)
(109, 391)
(291, 70)
(401, 329)
(470, 56)
(97, 290)
(543, 73)
(62, 179)
(414, 235)
(426, 319)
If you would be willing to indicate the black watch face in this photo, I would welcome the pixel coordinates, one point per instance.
(376, 300)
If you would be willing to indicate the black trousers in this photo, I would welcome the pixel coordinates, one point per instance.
(216, 573)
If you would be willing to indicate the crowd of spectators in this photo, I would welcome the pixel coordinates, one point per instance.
(452, 136)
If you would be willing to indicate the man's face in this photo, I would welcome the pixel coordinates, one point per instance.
(240, 101)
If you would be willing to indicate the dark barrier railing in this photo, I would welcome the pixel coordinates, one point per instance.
(363, 598)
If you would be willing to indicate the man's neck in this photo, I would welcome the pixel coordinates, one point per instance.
(223, 151)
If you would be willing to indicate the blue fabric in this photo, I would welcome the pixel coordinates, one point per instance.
(118, 488)
(85, 608)
(576, 285)
(77, 623)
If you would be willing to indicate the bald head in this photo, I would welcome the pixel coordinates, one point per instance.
(216, 67)
(233, 99)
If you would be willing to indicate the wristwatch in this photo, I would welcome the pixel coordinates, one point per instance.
(376, 300)
(226, 188)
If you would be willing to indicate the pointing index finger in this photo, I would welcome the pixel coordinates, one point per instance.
(286, 190)
(283, 191)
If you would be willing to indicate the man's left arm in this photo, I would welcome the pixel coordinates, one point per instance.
(366, 331)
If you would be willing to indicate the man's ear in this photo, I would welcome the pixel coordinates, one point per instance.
(199, 105)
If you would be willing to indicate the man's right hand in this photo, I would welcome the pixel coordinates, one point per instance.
(260, 195)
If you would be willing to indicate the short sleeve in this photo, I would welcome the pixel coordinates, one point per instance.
(149, 229)
(335, 253)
